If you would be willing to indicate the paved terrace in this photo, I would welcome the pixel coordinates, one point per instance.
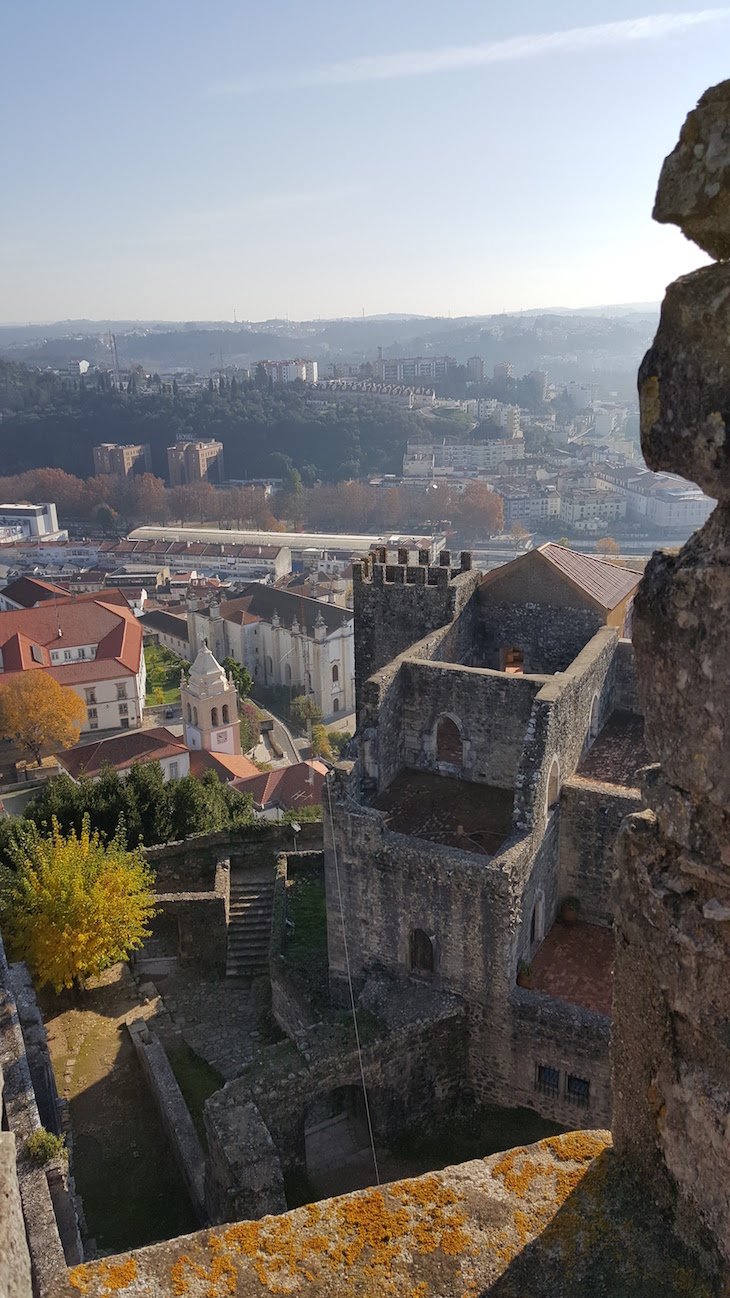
(574, 964)
(473, 817)
(617, 753)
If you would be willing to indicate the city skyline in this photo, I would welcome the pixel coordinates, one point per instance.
(422, 163)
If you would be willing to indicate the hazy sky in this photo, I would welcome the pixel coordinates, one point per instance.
(180, 160)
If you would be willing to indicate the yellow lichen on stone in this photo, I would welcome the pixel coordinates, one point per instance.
(111, 1277)
(649, 403)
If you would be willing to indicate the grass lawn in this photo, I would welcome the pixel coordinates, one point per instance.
(305, 950)
(163, 673)
(197, 1081)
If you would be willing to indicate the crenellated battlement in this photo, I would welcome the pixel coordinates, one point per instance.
(376, 569)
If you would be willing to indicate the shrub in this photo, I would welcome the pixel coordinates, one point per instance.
(43, 1147)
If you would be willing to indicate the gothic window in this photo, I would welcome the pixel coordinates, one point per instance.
(421, 952)
(288, 674)
(269, 666)
(448, 742)
(214, 717)
(190, 713)
(335, 674)
(224, 714)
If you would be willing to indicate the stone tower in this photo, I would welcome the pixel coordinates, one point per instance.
(210, 707)
(398, 604)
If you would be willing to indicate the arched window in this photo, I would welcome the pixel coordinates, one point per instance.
(511, 660)
(537, 922)
(335, 674)
(190, 713)
(421, 952)
(195, 716)
(448, 742)
(288, 674)
(335, 705)
(269, 665)
(553, 790)
(224, 714)
(214, 716)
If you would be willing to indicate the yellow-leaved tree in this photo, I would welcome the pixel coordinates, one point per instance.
(73, 905)
(38, 713)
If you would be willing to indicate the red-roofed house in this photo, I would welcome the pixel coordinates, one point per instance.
(92, 644)
(122, 751)
(287, 789)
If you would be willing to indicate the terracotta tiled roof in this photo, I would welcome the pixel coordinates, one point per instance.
(262, 602)
(28, 591)
(290, 787)
(28, 635)
(120, 751)
(604, 582)
(229, 766)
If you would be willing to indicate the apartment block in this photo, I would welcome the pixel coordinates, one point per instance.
(122, 460)
(195, 462)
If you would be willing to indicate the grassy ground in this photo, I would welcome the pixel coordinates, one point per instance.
(128, 1180)
(163, 673)
(197, 1081)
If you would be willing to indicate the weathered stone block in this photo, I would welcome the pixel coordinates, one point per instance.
(694, 186)
(685, 696)
(684, 383)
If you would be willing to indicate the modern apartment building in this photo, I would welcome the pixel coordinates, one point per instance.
(195, 462)
(585, 509)
(412, 369)
(290, 371)
(446, 458)
(122, 460)
(475, 369)
(504, 370)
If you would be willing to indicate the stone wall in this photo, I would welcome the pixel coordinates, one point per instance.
(290, 1005)
(45, 1246)
(572, 1040)
(176, 1120)
(590, 819)
(530, 607)
(190, 865)
(671, 1045)
(491, 710)
(35, 1041)
(243, 1171)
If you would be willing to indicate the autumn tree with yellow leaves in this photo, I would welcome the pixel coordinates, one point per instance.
(73, 905)
(38, 714)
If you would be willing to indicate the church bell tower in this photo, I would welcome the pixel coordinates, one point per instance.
(210, 707)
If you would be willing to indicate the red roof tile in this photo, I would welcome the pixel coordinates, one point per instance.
(606, 583)
(121, 751)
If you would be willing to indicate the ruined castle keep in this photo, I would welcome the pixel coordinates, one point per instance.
(501, 724)
(487, 789)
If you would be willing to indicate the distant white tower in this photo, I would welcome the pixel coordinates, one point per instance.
(209, 707)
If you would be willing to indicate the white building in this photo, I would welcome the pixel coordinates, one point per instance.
(445, 458)
(298, 543)
(290, 371)
(584, 509)
(210, 707)
(284, 639)
(39, 521)
(93, 646)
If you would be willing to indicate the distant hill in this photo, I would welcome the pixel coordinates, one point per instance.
(607, 341)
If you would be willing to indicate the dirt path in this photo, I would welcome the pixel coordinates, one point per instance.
(130, 1186)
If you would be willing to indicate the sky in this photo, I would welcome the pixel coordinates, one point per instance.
(185, 161)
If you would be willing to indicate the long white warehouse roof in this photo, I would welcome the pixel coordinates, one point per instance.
(294, 540)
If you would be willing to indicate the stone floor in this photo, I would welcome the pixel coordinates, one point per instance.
(574, 964)
(224, 1020)
(617, 753)
(473, 817)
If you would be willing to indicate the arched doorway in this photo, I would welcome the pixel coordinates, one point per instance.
(449, 747)
(421, 952)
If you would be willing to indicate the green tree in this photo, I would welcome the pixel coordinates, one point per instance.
(321, 746)
(242, 678)
(75, 905)
(303, 709)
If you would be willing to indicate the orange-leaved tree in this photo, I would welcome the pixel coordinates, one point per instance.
(38, 713)
(607, 545)
(73, 905)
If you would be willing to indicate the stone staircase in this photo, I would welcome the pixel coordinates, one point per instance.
(249, 922)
